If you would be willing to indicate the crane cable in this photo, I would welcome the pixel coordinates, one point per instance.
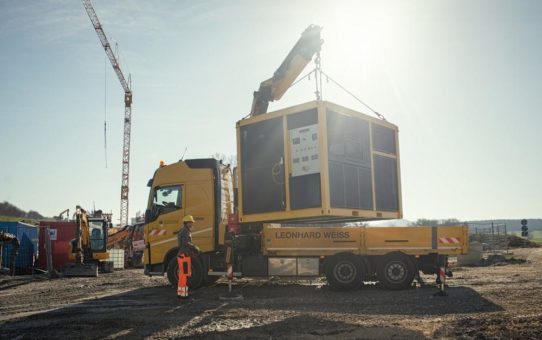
(318, 92)
(318, 80)
(105, 109)
(379, 115)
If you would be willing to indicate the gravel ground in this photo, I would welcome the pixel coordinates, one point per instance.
(500, 301)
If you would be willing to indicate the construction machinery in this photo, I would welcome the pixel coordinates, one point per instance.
(60, 215)
(126, 86)
(301, 54)
(87, 253)
(130, 239)
(307, 177)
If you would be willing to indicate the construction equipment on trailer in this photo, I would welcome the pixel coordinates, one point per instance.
(126, 85)
(305, 174)
(88, 252)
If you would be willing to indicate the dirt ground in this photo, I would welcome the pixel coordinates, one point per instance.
(499, 301)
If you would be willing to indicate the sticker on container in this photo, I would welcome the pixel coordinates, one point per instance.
(52, 234)
(304, 150)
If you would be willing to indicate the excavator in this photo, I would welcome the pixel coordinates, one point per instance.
(88, 252)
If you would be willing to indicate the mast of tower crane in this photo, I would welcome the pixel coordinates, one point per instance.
(126, 85)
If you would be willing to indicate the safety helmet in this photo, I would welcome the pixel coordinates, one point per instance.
(188, 218)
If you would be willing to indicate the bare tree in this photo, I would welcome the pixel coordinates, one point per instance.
(231, 159)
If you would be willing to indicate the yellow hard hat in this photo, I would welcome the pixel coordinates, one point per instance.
(188, 218)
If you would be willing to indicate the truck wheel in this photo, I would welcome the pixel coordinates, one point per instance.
(396, 271)
(194, 281)
(344, 272)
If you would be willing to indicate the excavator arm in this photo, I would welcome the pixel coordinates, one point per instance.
(120, 237)
(82, 236)
(301, 54)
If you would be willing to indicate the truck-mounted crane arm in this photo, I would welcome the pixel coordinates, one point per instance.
(301, 54)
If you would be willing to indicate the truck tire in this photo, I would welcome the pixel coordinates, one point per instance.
(396, 271)
(194, 281)
(344, 272)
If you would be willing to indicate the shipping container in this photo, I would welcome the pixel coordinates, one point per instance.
(318, 162)
(27, 235)
(62, 232)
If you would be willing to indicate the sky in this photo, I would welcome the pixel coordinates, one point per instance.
(461, 79)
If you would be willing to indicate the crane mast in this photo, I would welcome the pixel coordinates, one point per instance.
(126, 85)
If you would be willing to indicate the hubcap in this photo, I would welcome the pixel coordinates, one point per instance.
(345, 272)
(396, 271)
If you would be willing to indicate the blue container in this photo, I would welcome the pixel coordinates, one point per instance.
(28, 236)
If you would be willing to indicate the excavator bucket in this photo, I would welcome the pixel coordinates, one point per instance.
(80, 269)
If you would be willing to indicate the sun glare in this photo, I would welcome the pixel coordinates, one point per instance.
(362, 30)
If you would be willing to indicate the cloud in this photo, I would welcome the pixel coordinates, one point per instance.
(46, 22)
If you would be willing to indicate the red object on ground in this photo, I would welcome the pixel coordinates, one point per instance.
(62, 232)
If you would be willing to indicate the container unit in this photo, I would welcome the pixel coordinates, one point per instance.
(318, 162)
(62, 232)
(28, 249)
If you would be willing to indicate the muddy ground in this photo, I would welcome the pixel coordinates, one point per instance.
(498, 301)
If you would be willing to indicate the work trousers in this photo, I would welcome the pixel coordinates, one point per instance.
(185, 271)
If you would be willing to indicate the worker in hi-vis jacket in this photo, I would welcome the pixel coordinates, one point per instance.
(186, 249)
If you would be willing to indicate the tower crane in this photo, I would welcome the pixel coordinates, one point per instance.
(126, 85)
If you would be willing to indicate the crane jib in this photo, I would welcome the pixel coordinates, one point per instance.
(127, 109)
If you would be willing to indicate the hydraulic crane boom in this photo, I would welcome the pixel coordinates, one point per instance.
(127, 110)
(294, 63)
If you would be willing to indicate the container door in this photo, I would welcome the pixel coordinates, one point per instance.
(262, 167)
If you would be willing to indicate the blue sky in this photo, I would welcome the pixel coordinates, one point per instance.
(461, 79)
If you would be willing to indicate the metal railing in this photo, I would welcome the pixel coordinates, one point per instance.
(494, 236)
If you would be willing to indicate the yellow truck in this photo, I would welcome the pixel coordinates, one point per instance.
(346, 255)
(307, 177)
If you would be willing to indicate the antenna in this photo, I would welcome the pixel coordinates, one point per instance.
(182, 157)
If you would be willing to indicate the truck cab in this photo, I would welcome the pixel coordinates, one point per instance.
(202, 188)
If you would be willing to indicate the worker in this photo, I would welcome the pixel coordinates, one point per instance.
(186, 250)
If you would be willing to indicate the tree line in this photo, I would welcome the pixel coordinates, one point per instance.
(8, 209)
